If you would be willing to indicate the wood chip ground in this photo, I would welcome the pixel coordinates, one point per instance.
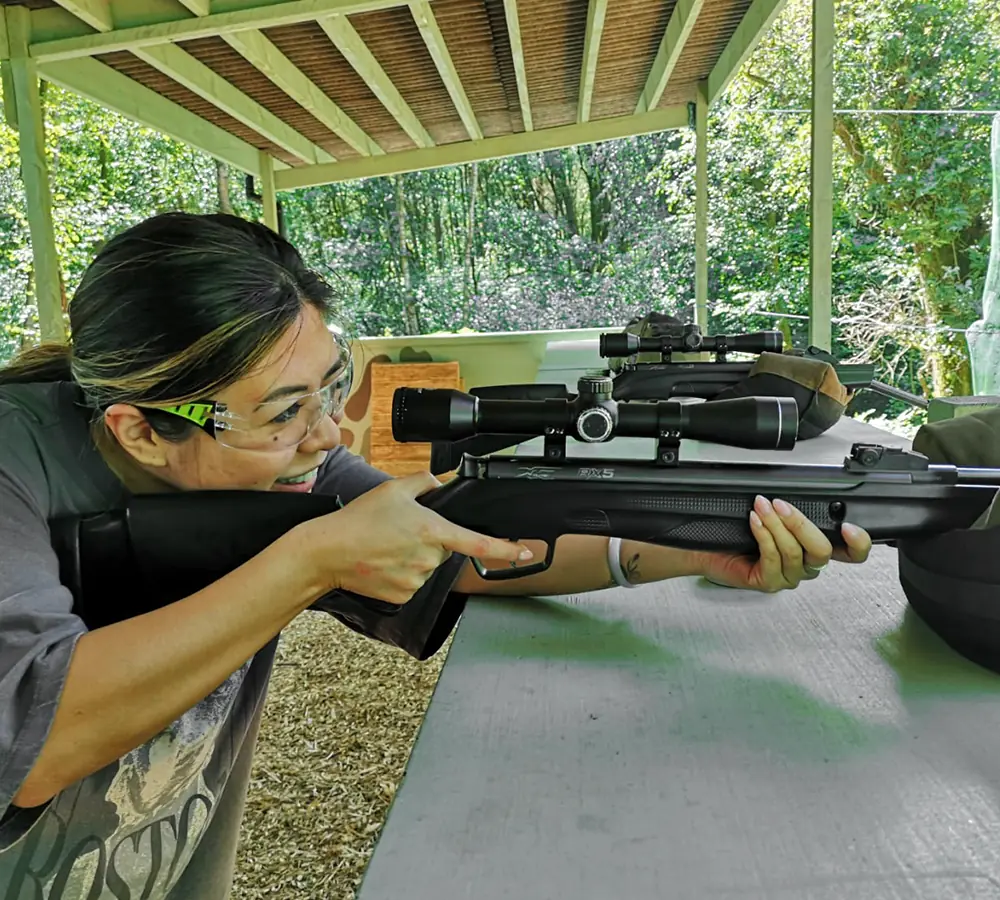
(341, 717)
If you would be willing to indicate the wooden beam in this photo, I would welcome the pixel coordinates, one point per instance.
(263, 55)
(753, 26)
(188, 28)
(182, 67)
(517, 52)
(198, 78)
(701, 208)
(198, 7)
(821, 179)
(678, 31)
(96, 13)
(434, 40)
(35, 176)
(356, 52)
(269, 195)
(6, 76)
(488, 148)
(112, 90)
(591, 50)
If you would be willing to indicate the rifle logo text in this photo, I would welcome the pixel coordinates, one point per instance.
(536, 472)
(596, 473)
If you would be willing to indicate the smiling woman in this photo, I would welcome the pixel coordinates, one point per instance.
(202, 358)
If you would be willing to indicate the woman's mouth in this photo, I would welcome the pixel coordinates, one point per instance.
(299, 483)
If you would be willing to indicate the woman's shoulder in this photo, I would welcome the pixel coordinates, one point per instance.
(39, 403)
(46, 448)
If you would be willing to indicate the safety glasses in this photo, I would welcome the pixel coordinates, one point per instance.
(277, 424)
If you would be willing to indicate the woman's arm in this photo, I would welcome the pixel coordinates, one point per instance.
(580, 564)
(128, 681)
(791, 548)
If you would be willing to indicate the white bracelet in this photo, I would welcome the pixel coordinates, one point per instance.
(615, 563)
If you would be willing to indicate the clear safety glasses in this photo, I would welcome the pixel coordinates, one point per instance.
(277, 424)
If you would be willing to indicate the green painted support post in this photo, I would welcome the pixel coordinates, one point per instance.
(821, 187)
(267, 191)
(701, 208)
(34, 173)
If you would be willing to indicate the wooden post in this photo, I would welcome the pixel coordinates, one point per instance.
(821, 188)
(268, 194)
(701, 208)
(23, 76)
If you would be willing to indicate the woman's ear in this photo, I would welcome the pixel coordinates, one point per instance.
(133, 431)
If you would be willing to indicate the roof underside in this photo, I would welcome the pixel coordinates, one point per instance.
(336, 88)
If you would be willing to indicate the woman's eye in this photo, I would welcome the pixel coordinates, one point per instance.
(286, 415)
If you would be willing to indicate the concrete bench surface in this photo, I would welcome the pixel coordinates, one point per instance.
(687, 741)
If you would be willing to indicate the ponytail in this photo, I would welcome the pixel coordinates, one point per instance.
(49, 361)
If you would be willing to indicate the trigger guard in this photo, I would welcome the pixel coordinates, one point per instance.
(516, 571)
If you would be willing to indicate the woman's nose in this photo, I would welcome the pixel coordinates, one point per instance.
(325, 436)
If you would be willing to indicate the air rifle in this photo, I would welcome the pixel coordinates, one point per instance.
(662, 379)
(161, 548)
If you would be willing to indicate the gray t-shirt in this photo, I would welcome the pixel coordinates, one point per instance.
(162, 822)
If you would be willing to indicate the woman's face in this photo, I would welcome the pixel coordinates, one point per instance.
(298, 364)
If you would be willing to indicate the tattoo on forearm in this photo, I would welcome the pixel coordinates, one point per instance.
(631, 569)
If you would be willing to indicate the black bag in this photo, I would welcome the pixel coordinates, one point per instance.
(952, 581)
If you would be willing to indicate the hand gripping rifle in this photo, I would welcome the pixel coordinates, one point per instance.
(160, 548)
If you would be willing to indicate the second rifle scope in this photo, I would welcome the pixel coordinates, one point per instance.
(691, 341)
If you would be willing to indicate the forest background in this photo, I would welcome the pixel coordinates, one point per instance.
(592, 235)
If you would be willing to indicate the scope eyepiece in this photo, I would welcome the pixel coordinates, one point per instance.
(423, 414)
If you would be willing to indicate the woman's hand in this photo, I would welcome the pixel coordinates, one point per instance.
(792, 550)
(385, 545)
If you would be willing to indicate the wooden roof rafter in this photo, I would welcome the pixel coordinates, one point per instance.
(424, 18)
(338, 89)
(679, 28)
(186, 70)
(596, 12)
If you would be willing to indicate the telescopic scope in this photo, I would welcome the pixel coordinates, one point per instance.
(691, 341)
(432, 414)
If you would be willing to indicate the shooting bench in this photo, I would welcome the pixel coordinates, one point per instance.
(686, 741)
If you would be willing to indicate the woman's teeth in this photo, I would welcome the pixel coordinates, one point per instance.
(299, 479)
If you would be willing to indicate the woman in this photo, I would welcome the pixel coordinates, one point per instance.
(201, 358)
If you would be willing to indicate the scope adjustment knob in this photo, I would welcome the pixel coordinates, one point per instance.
(596, 384)
(595, 425)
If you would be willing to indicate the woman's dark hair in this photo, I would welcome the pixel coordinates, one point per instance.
(173, 310)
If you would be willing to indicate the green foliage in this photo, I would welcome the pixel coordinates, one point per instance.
(915, 185)
(592, 235)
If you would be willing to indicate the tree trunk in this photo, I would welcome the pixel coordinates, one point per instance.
(946, 352)
(222, 185)
(411, 313)
(469, 286)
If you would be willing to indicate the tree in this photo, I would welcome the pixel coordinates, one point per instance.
(921, 181)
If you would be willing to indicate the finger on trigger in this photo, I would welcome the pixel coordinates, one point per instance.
(479, 546)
